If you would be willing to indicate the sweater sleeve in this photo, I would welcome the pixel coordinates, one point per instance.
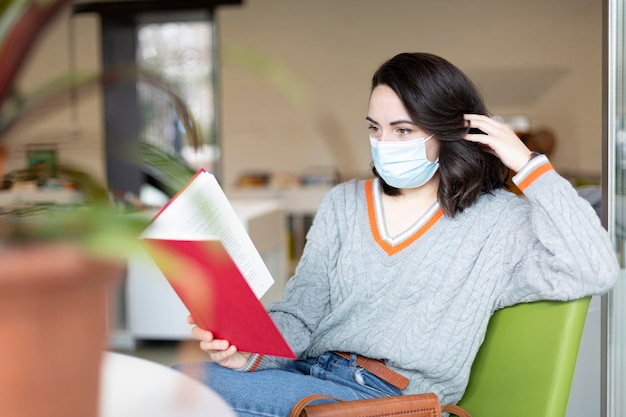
(306, 299)
(558, 249)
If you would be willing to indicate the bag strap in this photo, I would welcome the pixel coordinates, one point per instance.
(456, 410)
(299, 407)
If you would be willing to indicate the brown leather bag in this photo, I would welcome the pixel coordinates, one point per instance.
(414, 405)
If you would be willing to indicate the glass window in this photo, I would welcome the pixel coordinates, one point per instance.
(616, 210)
(181, 52)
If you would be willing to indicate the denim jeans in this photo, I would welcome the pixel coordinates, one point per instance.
(274, 392)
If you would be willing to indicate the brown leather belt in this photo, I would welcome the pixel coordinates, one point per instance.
(378, 368)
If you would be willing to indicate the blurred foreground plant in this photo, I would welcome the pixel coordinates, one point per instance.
(96, 222)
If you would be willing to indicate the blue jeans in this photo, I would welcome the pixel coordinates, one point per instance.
(274, 392)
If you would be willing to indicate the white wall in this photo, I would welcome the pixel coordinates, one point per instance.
(77, 131)
(295, 76)
(534, 57)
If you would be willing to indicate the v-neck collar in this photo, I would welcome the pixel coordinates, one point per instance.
(396, 244)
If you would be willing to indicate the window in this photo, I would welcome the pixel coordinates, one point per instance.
(181, 52)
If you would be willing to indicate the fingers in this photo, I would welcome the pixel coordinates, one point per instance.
(488, 125)
(474, 120)
(208, 342)
(216, 345)
(499, 139)
(201, 334)
(222, 356)
(219, 350)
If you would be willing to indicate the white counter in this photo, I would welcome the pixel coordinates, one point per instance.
(11, 197)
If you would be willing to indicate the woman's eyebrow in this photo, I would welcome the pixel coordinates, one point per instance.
(398, 122)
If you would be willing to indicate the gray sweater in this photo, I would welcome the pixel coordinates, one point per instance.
(422, 302)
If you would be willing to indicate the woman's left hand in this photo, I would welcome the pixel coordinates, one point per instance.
(499, 139)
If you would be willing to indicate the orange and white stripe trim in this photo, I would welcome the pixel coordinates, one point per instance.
(377, 227)
(253, 363)
(534, 169)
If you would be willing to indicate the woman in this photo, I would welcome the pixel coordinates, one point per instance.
(408, 267)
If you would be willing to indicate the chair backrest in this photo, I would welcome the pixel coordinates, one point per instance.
(526, 364)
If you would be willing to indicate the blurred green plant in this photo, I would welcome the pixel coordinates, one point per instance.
(97, 222)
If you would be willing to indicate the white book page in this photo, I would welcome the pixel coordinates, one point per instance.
(202, 212)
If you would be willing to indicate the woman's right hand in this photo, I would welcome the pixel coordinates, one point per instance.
(220, 351)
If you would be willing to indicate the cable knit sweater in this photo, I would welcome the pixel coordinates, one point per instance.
(422, 301)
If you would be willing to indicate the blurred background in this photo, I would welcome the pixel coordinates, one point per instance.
(279, 90)
(292, 78)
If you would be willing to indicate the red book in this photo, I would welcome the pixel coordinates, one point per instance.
(206, 255)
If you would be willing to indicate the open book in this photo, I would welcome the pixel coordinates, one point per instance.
(206, 255)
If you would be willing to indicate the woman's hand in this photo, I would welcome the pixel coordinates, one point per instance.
(220, 351)
(499, 139)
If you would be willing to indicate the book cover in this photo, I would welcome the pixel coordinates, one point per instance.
(206, 255)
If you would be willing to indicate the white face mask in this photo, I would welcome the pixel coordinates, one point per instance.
(403, 164)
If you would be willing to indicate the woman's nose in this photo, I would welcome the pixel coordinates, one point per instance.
(386, 137)
(380, 135)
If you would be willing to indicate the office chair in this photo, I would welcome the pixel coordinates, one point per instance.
(526, 363)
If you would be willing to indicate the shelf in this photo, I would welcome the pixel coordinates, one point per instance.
(14, 198)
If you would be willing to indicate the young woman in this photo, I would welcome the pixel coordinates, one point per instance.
(401, 272)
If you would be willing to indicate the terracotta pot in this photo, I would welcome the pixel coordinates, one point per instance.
(53, 327)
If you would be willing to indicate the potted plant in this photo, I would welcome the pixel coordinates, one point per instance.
(57, 269)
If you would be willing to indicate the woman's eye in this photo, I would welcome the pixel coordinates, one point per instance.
(372, 128)
(404, 131)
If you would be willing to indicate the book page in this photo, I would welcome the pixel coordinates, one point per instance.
(201, 211)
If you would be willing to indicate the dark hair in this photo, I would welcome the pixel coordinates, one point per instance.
(436, 95)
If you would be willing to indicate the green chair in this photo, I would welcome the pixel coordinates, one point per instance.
(526, 364)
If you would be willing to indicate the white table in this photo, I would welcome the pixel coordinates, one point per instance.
(132, 387)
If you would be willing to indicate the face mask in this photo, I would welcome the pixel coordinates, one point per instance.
(403, 164)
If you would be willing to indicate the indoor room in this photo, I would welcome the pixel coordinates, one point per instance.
(271, 98)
